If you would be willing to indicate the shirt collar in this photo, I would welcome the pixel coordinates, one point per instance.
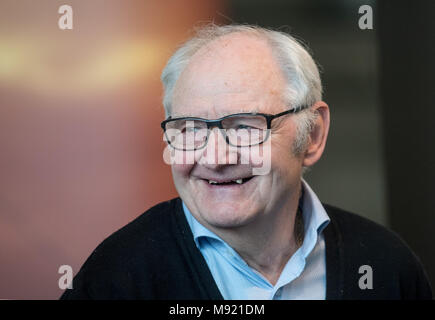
(198, 230)
(315, 220)
(313, 210)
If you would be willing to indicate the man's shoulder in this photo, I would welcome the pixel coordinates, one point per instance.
(148, 231)
(360, 227)
(141, 243)
(130, 261)
(152, 220)
(364, 235)
(360, 242)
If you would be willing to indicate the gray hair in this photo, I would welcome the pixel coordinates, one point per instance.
(299, 69)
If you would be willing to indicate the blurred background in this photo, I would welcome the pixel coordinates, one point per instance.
(80, 141)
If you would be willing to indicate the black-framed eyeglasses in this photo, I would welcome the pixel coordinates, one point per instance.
(239, 129)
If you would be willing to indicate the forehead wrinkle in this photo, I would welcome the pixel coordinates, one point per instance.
(220, 114)
(227, 76)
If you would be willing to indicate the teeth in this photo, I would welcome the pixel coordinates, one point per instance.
(238, 181)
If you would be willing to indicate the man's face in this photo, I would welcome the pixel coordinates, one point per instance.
(236, 73)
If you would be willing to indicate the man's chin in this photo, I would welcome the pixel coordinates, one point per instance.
(225, 216)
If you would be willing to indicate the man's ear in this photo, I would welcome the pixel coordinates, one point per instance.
(319, 134)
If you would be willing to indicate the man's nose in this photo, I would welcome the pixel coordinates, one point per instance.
(217, 152)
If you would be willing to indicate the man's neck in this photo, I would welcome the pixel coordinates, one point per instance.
(270, 242)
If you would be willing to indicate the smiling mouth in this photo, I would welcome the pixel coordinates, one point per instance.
(230, 182)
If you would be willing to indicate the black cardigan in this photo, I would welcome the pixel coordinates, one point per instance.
(155, 257)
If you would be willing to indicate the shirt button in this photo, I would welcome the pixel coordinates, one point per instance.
(278, 293)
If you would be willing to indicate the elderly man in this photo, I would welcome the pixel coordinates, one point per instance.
(244, 228)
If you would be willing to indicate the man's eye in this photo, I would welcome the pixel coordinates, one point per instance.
(244, 126)
(190, 129)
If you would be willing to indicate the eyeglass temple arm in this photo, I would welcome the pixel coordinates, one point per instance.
(293, 110)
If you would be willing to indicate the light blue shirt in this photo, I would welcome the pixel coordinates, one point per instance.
(303, 277)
